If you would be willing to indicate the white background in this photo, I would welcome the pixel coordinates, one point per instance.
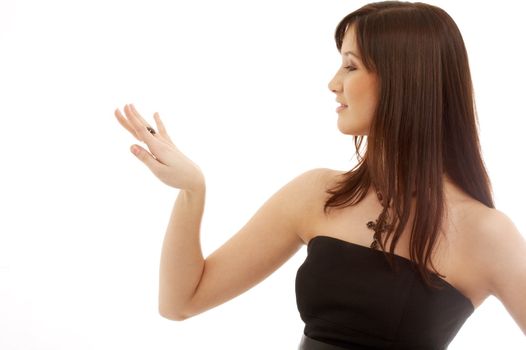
(242, 89)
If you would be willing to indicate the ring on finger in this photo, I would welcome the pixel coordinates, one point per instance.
(151, 130)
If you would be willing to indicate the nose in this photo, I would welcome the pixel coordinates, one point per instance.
(334, 85)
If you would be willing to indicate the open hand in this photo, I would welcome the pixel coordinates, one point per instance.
(169, 164)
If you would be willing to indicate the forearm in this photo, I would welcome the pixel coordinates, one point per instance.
(182, 261)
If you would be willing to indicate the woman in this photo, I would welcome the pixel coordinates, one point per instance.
(438, 247)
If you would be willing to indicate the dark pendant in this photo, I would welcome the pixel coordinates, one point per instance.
(377, 231)
(376, 227)
(372, 225)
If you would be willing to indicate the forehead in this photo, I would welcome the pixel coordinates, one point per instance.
(349, 41)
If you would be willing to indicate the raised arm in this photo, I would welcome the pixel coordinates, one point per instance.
(182, 260)
(261, 246)
(188, 284)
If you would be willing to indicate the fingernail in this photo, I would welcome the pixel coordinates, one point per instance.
(135, 150)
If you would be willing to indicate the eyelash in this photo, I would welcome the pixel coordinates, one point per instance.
(349, 68)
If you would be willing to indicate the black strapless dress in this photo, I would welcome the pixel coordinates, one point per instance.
(349, 297)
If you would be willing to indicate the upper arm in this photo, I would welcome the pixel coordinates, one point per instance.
(504, 260)
(262, 245)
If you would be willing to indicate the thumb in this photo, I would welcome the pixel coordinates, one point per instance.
(142, 154)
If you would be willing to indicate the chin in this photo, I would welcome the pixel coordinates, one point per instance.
(352, 125)
(352, 130)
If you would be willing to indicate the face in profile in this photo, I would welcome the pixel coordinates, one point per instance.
(355, 88)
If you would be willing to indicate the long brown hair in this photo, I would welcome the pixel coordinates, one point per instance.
(425, 123)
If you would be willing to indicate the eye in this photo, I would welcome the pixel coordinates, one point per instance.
(350, 68)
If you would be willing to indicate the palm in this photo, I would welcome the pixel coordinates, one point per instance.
(168, 163)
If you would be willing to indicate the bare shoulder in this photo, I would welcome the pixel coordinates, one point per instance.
(493, 233)
(315, 182)
(499, 251)
(321, 176)
(322, 179)
(307, 192)
(308, 184)
(495, 241)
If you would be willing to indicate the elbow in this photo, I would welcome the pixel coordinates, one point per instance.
(171, 314)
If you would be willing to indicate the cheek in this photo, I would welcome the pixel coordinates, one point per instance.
(356, 89)
(360, 94)
(350, 90)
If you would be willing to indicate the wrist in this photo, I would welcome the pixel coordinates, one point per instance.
(198, 186)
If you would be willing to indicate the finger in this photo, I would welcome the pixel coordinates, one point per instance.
(160, 127)
(125, 123)
(164, 137)
(150, 129)
(151, 162)
(156, 145)
(140, 128)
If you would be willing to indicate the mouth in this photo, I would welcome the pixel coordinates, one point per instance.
(341, 107)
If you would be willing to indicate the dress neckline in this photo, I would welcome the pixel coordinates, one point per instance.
(352, 244)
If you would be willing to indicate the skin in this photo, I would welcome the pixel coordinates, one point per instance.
(165, 161)
(275, 232)
(492, 246)
(355, 87)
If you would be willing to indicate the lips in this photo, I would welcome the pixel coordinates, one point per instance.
(341, 108)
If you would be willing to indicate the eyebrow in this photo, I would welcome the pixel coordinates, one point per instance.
(351, 53)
